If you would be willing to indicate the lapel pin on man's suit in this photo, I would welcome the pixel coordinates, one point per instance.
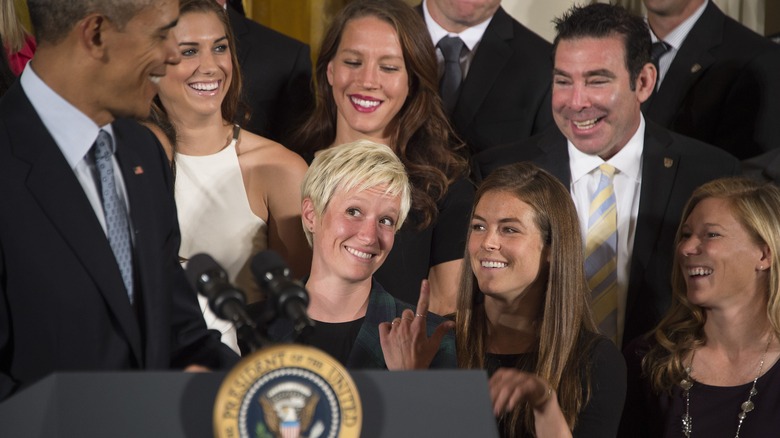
(695, 68)
(138, 170)
(668, 162)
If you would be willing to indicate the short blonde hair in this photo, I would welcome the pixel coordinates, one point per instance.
(361, 164)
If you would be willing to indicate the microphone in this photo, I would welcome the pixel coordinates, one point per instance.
(226, 301)
(286, 297)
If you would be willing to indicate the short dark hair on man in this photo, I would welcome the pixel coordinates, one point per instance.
(601, 20)
(53, 19)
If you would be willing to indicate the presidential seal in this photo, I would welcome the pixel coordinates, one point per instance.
(288, 391)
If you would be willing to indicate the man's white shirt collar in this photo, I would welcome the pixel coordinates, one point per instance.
(627, 161)
(470, 36)
(676, 37)
(72, 130)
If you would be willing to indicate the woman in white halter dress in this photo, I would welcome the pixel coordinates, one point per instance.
(236, 193)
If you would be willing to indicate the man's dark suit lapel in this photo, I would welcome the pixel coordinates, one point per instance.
(659, 172)
(693, 59)
(555, 155)
(141, 221)
(52, 182)
(493, 52)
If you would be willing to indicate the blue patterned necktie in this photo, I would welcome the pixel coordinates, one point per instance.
(449, 87)
(117, 224)
(601, 253)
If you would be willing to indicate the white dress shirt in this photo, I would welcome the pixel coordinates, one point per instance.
(585, 175)
(75, 133)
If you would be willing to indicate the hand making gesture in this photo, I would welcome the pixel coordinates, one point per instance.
(405, 342)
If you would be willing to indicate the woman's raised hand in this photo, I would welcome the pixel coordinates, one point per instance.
(405, 342)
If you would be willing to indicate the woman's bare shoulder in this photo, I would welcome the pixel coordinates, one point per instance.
(256, 152)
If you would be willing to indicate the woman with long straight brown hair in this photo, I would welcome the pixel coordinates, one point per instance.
(524, 316)
(524, 313)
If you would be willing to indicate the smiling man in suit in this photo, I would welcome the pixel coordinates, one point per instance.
(501, 93)
(636, 173)
(89, 275)
(718, 80)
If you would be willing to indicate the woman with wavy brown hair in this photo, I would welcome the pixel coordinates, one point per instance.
(710, 367)
(377, 80)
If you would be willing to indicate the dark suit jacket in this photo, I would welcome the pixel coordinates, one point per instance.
(765, 167)
(63, 305)
(723, 87)
(506, 95)
(276, 71)
(672, 167)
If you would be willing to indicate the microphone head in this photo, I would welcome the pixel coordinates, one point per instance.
(267, 261)
(200, 265)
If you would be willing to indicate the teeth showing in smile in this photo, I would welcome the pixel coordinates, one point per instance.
(585, 124)
(205, 86)
(492, 264)
(365, 103)
(155, 79)
(361, 254)
(699, 272)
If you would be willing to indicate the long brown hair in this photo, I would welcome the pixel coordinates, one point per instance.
(232, 103)
(755, 205)
(420, 133)
(566, 317)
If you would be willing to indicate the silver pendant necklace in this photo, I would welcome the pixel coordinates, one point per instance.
(687, 383)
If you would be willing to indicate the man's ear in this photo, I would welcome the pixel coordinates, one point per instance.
(645, 82)
(92, 34)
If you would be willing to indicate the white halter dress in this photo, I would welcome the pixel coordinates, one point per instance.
(215, 218)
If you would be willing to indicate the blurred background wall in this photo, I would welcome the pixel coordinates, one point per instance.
(306, 19)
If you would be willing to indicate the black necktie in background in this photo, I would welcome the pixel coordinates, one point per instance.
(449, 87)
(656, 52)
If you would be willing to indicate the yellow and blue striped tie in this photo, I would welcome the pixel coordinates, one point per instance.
(601, 253)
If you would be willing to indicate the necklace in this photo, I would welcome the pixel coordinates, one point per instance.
(687, 383)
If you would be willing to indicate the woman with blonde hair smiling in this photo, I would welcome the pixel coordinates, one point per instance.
(710, 367)
(355, 197)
